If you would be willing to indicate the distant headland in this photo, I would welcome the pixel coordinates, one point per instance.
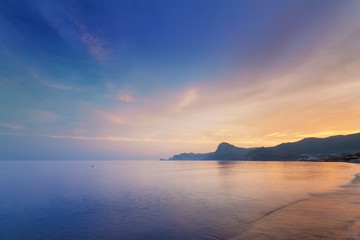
(334, 148)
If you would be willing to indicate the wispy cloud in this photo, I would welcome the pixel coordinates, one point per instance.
(105, 138)
(12, 126)
(316, 97)
(48, 83)
(119, 92)
(114, 119)
(55, 85)
(298, 77)
(96, 44)
(72, 28)
(188, 98)
(124, 96)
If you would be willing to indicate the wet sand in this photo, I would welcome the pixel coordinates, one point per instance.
(334, 215)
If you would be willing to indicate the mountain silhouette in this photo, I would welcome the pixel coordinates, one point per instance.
(341, 144)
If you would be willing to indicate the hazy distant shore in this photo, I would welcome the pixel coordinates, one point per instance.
(338, 160)
(342, 148)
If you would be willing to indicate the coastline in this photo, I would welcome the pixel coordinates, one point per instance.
(332, 215)
(212, 160)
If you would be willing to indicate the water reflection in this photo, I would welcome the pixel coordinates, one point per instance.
(227, 167)
(152, 200)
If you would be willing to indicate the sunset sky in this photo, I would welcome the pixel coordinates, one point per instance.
(149, 79)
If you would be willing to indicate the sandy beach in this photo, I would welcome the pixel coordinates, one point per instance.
(334, 215)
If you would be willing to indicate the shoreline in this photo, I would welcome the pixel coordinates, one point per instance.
(210, 160)
(331, 215)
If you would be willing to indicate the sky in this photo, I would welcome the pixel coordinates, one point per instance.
(150, 79)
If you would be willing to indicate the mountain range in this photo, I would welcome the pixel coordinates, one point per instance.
(341, 144)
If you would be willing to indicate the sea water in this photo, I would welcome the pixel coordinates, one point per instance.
(153, 199)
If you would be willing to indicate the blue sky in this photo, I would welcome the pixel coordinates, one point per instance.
(169, 76)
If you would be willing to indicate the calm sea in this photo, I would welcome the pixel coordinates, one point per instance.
(153, 199)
